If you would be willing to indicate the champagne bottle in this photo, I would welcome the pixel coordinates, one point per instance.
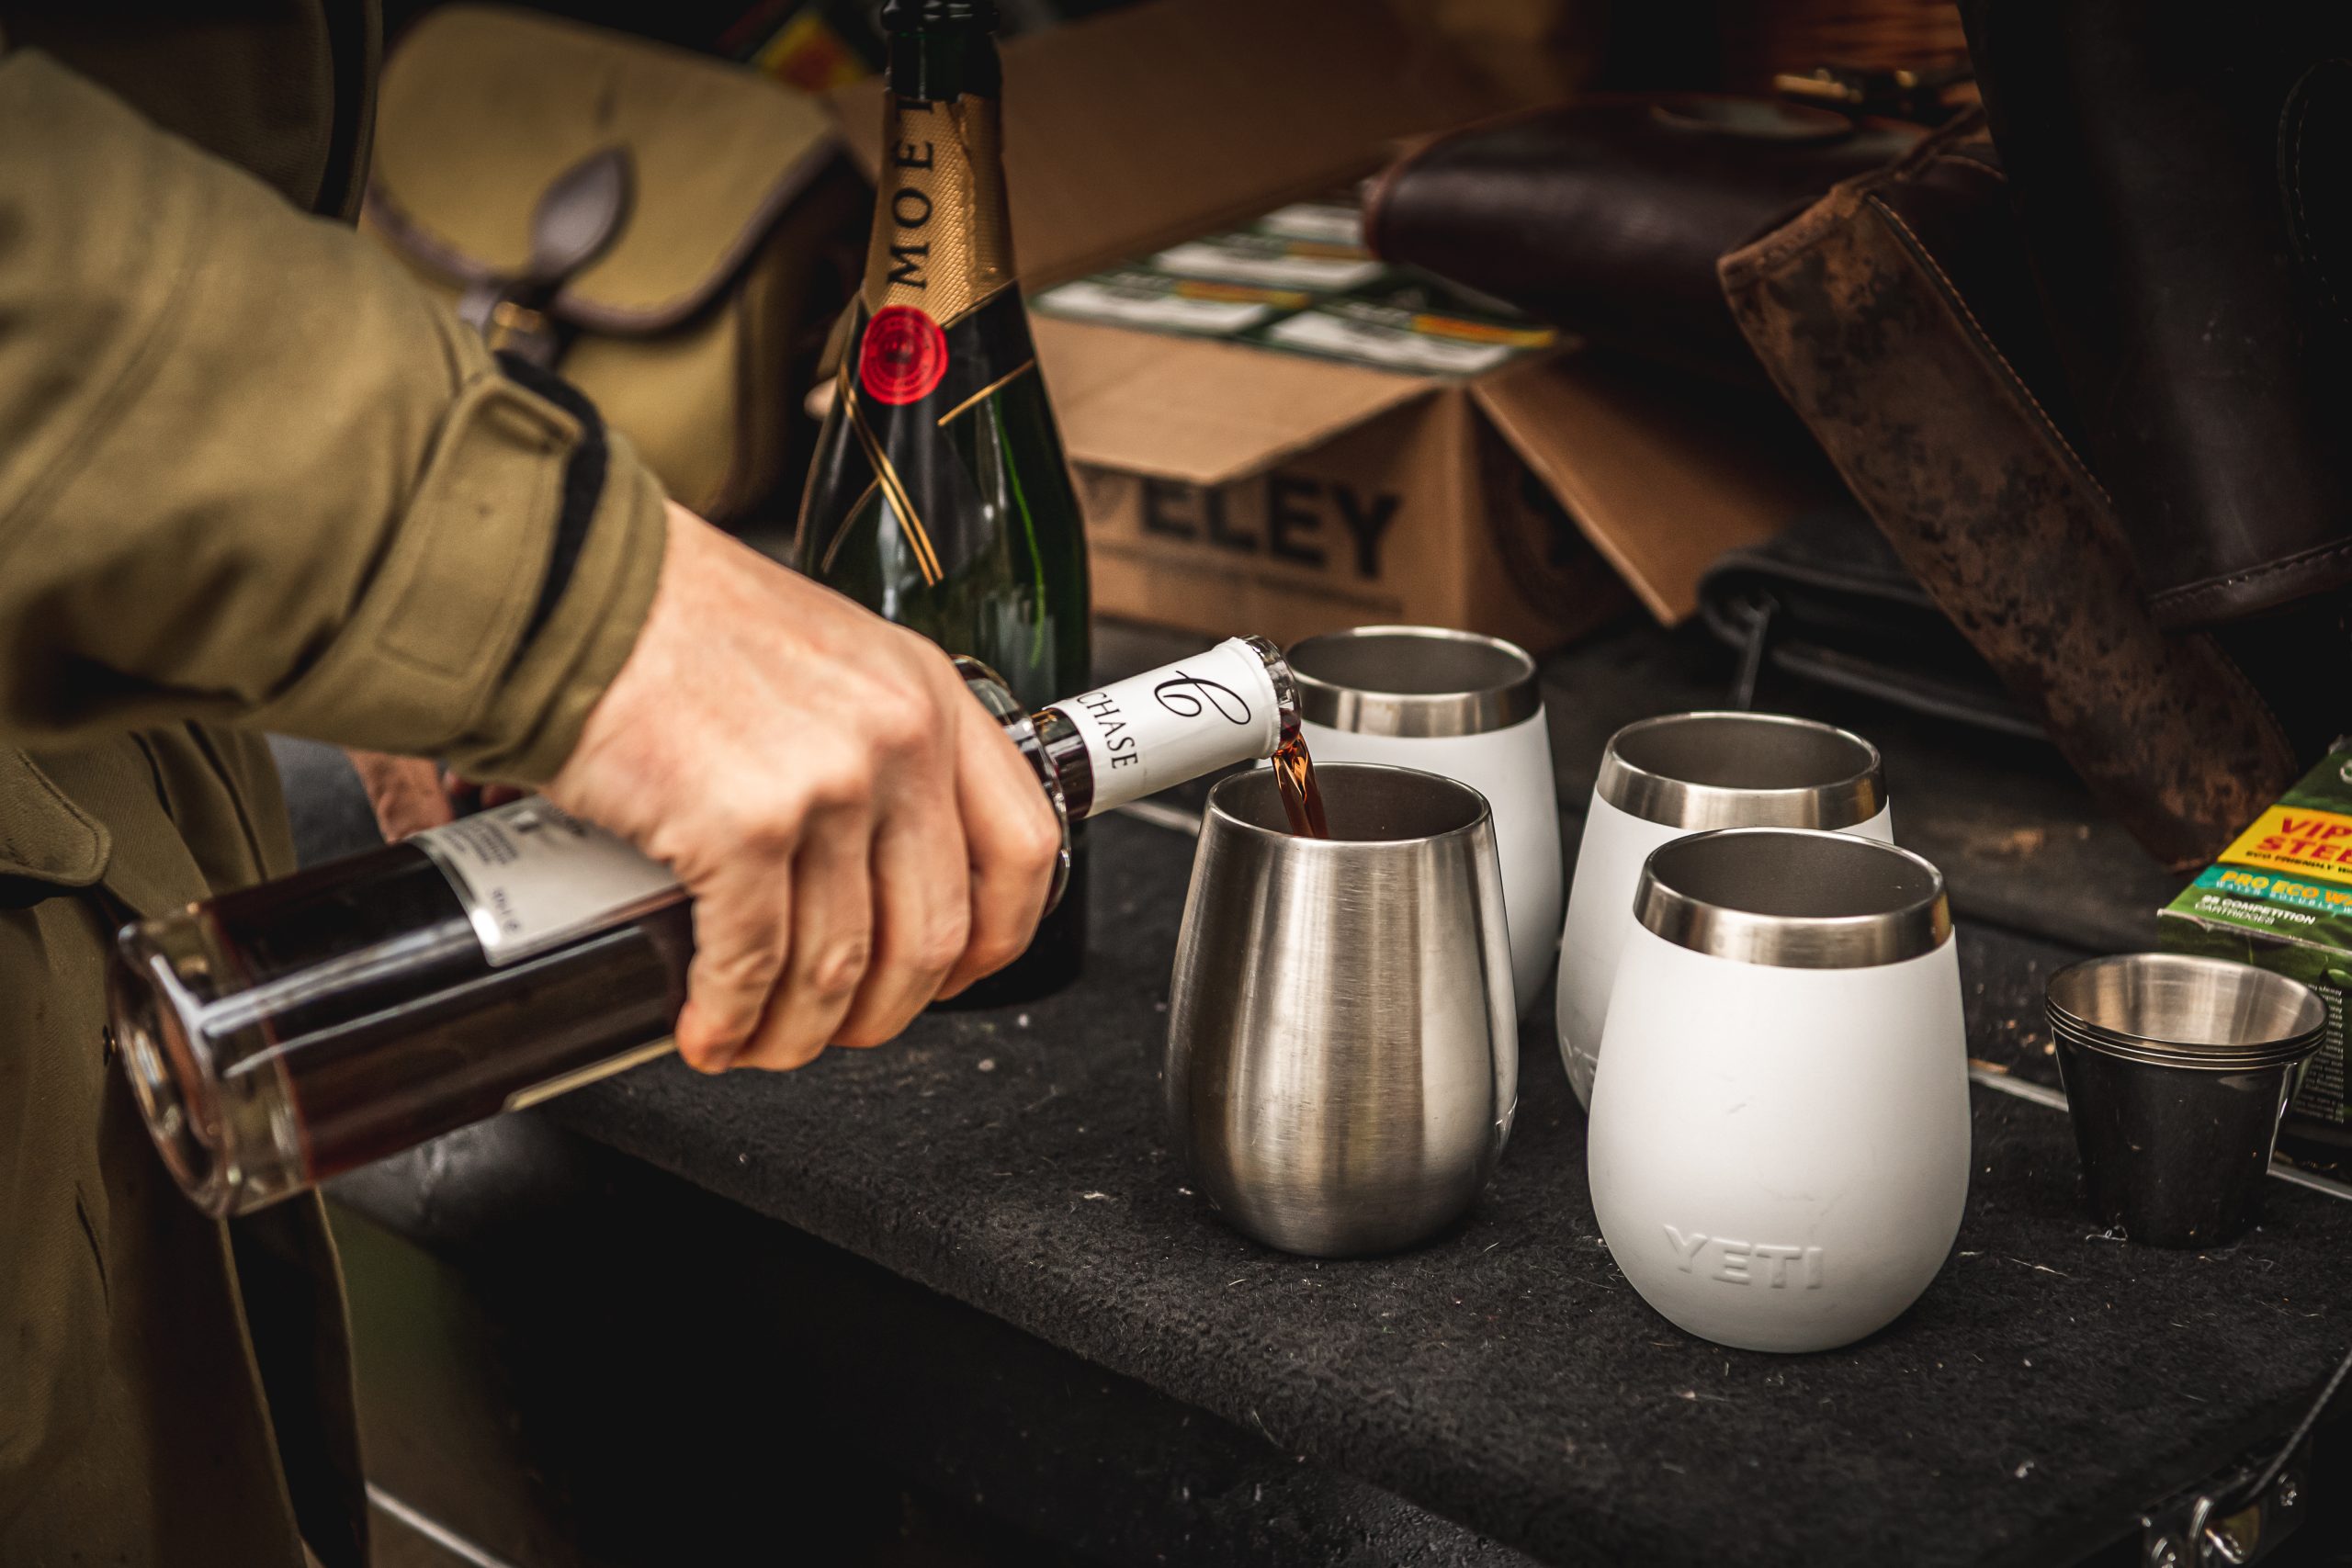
(938, 495)
(283, 1034)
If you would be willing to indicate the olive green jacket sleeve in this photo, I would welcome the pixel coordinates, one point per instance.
(250, 474)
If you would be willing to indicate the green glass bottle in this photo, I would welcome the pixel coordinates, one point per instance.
(939, 496)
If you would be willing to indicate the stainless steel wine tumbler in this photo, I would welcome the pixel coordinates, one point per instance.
(1342, 1047)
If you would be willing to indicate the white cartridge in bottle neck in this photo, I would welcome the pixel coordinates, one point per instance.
(1177, 722)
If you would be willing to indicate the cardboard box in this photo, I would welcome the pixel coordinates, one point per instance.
(2281, 898)
(1230, 487)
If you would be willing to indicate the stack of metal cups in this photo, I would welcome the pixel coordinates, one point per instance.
(2178, 1070)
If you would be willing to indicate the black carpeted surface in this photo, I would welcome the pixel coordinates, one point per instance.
(2050, 1384)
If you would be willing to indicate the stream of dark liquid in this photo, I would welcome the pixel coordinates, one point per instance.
(1302, 796)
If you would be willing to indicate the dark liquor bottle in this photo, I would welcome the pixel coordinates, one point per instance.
(939, 496)
(281, 1035)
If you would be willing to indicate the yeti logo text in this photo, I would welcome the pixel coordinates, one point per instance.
(1745, 1263)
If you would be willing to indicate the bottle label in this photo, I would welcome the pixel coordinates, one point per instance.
(904, 356)
(532, 876)
(943, 243)
(1178, 722)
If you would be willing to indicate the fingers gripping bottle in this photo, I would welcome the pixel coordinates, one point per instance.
(282, 1034)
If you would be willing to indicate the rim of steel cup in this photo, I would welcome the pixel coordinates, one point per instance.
(2177, 1009)
(1418, 682)
(1794, 898)
(1741, 769)
(1349, 834)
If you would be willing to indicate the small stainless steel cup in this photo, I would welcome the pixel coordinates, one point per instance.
(2178, 1070)
(1343, 1046)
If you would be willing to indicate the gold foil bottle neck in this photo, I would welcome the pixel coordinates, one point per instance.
(942, 241)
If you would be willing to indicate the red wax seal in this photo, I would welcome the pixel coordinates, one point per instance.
(904, 356)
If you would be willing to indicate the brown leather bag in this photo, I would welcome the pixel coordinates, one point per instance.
(2183, 179)
(1607, 214)
(1898, 316)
